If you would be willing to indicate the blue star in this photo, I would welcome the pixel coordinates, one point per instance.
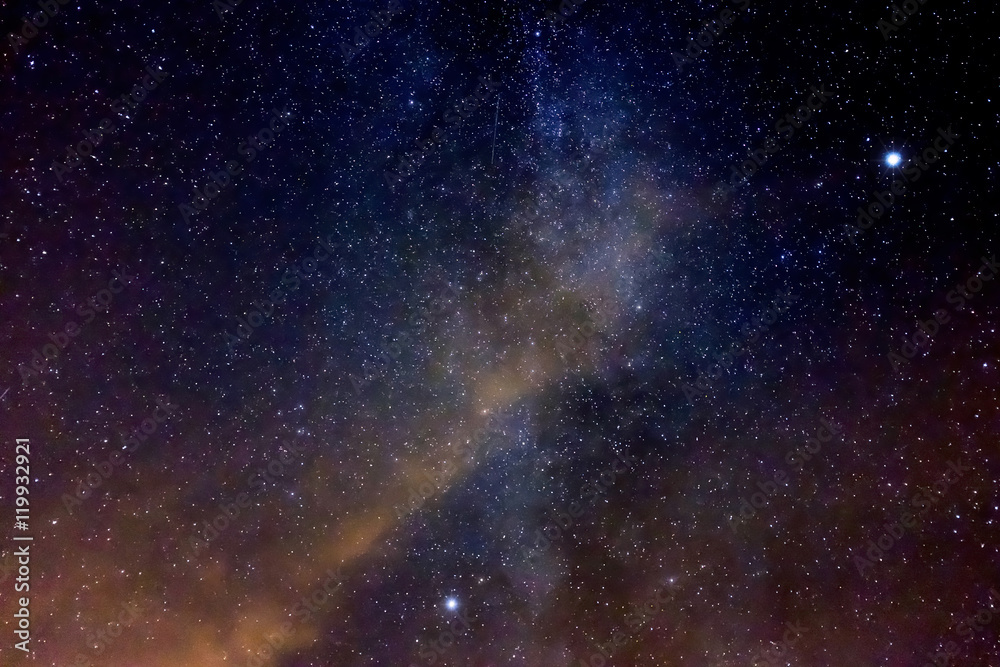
(893, 159)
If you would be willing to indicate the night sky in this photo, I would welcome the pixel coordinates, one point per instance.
(501, 334)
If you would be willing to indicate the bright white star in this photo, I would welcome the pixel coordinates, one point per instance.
(893, 159)
(451, 604)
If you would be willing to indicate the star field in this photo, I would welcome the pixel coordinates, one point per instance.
(478, 334)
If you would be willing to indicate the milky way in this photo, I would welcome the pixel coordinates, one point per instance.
(479, 334)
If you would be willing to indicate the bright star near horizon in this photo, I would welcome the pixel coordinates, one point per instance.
(893, 159)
